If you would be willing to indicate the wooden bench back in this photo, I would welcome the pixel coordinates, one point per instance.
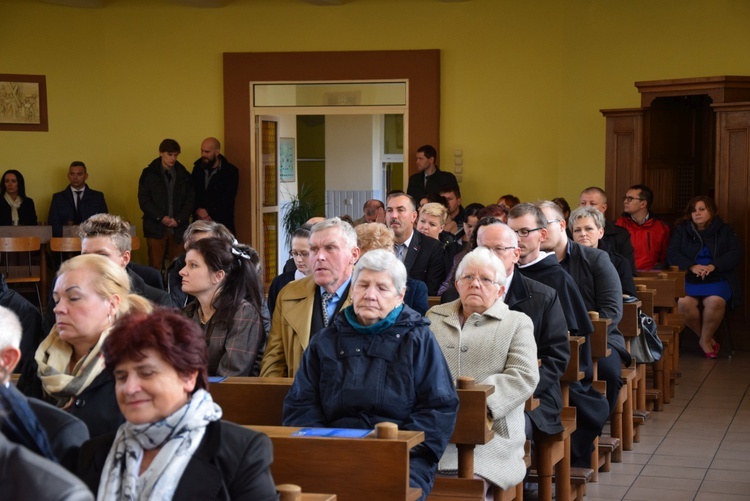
(366, 469)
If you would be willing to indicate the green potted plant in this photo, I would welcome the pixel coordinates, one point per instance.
(297, 211)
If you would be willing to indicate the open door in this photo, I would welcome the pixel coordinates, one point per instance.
(267, 192)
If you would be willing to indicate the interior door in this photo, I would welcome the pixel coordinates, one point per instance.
(267, 141)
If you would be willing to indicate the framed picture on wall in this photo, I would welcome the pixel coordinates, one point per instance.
(23, 102)
(286, 159)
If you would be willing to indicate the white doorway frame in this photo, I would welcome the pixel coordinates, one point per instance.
(274, 112)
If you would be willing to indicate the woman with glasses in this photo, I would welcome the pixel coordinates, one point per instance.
(709, 251)
(481, 338)
(300, 254)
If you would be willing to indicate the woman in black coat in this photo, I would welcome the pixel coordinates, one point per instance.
(16, 209)
(709, 252)
(173, 444)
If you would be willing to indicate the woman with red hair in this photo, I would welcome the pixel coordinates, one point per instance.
(173, 444)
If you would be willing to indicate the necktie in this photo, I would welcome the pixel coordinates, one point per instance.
(400, 251)
(326, 298)
(79, 194)
(169, 176)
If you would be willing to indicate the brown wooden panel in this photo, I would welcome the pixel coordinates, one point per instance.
(623, 155)
(420, 67)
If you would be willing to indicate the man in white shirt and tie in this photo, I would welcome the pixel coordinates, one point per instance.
(76, 203)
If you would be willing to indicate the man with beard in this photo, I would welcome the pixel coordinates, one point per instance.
(215, 181)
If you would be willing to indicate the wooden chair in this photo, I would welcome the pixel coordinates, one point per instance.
(252, 400)
(135, 243)
(604, 447)
(653, 396)
(433, 301)
(373, 468)
(25, 274)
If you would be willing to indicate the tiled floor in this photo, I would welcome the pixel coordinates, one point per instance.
(698, 448)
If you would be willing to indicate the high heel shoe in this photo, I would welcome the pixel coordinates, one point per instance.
(713, 354)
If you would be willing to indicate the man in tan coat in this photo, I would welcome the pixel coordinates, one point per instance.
(306, 306)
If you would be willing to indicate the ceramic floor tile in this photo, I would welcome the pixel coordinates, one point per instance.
(724, 487)
(681, 461)
(728, 476)
(674, 484)
(731, 464)
(712, 496)
(597, 491)
(651, 494)
(653, 470)
(635, 458)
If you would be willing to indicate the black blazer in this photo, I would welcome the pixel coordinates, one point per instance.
(541, 304)
(218, 197)
(424, 261)
(231, 462)
(62, 210)
(26, 475)
(26, 213)
(600, 287)
(65, 432)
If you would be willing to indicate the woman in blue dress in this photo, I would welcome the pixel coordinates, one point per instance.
(709, 252)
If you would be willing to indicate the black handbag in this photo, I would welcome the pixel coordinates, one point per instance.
(647, 347)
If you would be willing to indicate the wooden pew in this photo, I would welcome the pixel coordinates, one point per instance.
(239, 398)
(603, 446)
(653, 395)
(373, 468)
(553, 451)
(635, 376)
(252, 400)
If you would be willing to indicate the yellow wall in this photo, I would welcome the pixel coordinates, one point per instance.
(522, 82)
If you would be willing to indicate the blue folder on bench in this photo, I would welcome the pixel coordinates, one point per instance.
(332, 432)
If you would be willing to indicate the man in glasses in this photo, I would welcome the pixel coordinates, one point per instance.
(616, 237)
(541, 304)
(650, 236)
(530, 224)
(600, 286)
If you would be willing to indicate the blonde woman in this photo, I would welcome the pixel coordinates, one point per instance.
(90, 294)
(431, 222)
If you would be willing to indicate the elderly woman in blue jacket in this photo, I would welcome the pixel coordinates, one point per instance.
(709, 252)
(378, 362)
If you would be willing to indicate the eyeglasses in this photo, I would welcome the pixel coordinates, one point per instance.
(553, 221)
(524, 232)
(499, 249)
(303, 255)
(630, 199)
(469, 279)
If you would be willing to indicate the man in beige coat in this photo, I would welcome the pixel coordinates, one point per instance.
(306, 306)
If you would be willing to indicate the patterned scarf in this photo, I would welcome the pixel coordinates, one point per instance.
(178, 436)
(53, 357)
(14, 206)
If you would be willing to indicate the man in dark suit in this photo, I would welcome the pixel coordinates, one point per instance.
(422, 256)
(38, 426)
(76, 203)
(617, 238)
(530, 224)
(215, 181)
(600, 287)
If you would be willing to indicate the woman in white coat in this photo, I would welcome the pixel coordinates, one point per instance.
(481, 338)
